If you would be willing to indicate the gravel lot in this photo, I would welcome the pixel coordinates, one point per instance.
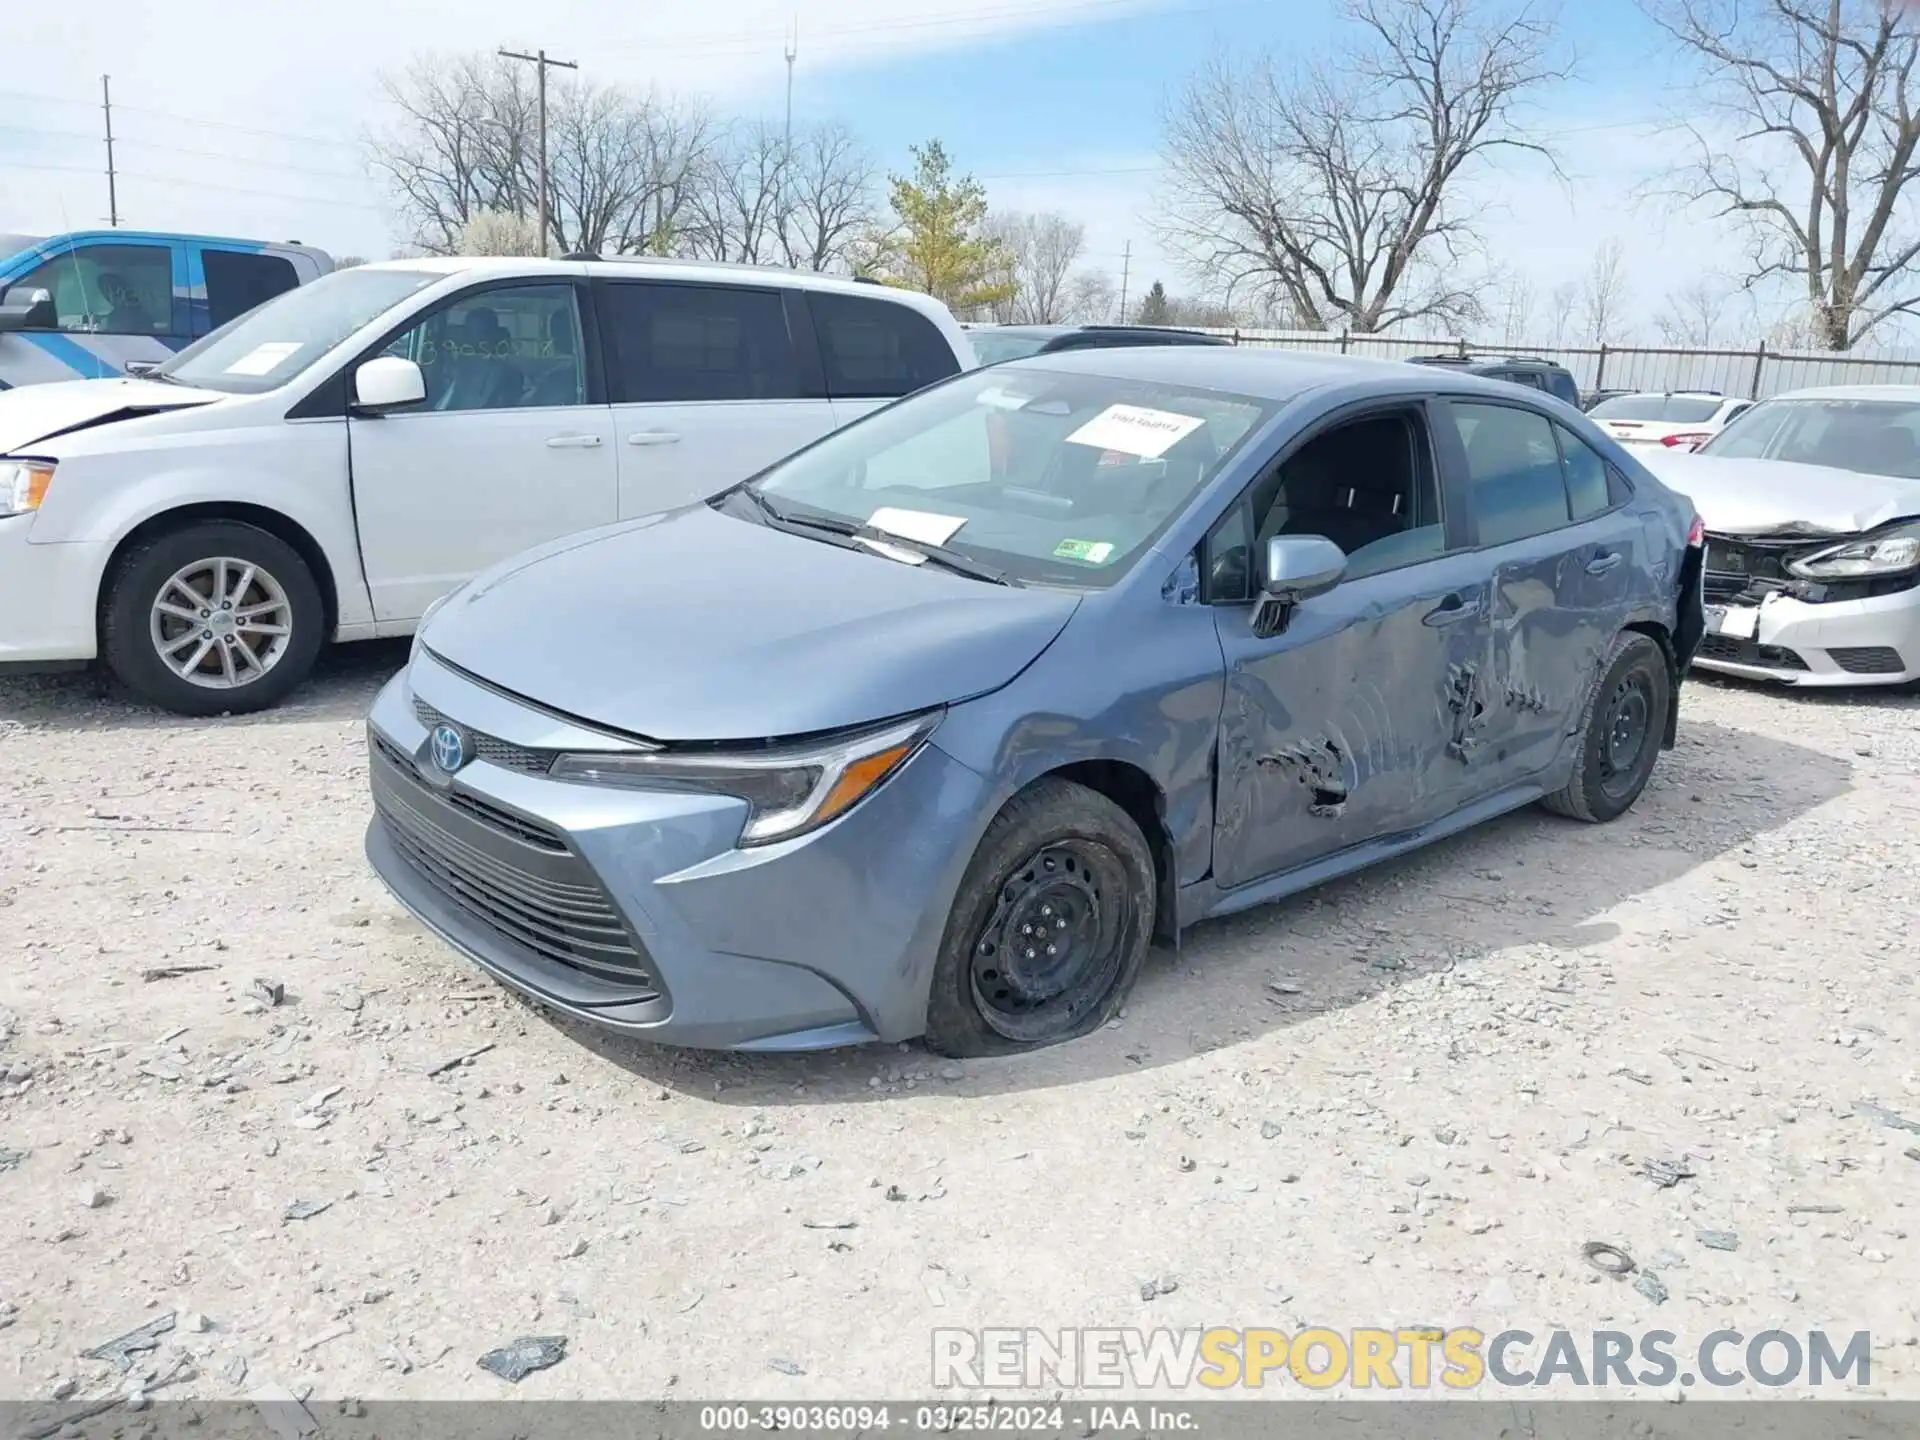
(1408, 1098)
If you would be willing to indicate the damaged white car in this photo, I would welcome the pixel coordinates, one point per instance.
(1812, 508)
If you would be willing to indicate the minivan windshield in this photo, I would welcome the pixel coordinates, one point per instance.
(1875, 437)
(1043, 475)
(272, 343)
(993, 346)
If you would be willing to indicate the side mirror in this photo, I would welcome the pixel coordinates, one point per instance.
(388, 383)
(1294, 568)
(28, 309)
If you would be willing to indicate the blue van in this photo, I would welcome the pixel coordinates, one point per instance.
(94, 302)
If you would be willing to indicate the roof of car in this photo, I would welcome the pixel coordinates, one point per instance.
(1264, 374)
(1464, 360)
(664, 269)
(1909, 394)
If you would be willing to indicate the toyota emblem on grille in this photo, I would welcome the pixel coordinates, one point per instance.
(449, 748)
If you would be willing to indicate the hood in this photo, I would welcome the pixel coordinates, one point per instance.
(1780, 497)
(696, 626)
(32, 413)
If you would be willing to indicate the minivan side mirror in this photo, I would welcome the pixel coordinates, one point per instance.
(1294, 568)
(28, 308)
(388, 383)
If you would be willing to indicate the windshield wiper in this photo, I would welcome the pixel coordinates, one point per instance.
(944, 556)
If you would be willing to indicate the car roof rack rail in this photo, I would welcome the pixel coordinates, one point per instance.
(581, 255)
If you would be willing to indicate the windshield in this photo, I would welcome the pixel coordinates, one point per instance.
(1045, 476)
(992, 346)
(1677, 409)
(1875, 437)
(271, 344)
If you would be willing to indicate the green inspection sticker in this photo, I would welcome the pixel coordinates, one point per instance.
(1094, 552)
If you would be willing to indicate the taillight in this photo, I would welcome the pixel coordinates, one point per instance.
(1692, 440)
(1696, 533)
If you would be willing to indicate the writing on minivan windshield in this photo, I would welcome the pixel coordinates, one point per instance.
(1044, 476)
(276, 342)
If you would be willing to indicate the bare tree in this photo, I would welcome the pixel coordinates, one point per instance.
(737, 202)
(1335, 185)
(1516, 300)
(1091, 297)
(463, 142)
(1603, 293)
(1693, 313)
(1041, 251)
(1826, 100)
(831, 199)
(497, 232)
(1560, 302)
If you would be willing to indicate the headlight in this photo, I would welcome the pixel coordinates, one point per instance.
(23, 485)
(1884, 554)
(789, 790)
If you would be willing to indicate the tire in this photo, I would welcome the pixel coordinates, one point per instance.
(242, 667)
(1628, 703)
(1058, 854)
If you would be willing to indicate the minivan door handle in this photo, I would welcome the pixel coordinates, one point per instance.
(653, 437)
(573, 442)
(1454, 608)
(1603, 562)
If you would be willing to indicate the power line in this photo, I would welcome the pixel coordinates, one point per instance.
(542, 63)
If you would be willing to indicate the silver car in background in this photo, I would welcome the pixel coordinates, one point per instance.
(1812, 508)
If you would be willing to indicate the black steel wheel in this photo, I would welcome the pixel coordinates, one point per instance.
(1620, 733)
(1049, 928)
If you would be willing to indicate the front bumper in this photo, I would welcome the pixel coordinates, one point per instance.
(49, 595)
(1874, 641)
(635, 910)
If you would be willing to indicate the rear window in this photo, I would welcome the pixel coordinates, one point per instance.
(1671, 409)
(877, 349)
(236, 282)
(992, 348)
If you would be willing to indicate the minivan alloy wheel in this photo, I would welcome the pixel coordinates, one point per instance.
(221, 623)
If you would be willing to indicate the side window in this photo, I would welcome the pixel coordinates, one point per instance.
(109, 289)
(1588, 490)
(697, 342)
(236, 282)
(1514, 468)
(877, 349)
(1368, 485)
(1619, 490)
(503, 349)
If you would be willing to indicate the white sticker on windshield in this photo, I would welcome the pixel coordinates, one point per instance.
(1136, 430)
(921, 525)
(1002, 399)
(263, 359)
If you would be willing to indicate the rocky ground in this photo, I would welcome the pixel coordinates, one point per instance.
(241, 1088)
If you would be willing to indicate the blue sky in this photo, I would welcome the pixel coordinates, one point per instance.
(1054, 103)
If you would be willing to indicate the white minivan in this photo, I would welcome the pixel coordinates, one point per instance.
(330, 464)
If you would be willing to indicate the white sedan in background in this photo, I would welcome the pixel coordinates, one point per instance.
(1812, 511)
(1676, 420)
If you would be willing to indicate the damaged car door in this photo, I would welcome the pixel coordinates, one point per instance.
(1562, 553)
(1341, 727)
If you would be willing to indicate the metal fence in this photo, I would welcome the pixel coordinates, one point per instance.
(1751, 374)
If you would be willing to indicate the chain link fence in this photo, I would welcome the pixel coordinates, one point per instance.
(1752, 374)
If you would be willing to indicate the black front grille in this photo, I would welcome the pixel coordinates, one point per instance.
(527, 831)
(1727, 649)
(490, 748)
(1868, 659)
(547, 903)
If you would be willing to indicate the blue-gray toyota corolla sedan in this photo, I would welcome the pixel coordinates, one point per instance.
(932, 728)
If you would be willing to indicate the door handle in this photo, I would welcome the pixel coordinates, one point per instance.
(573, 442)
(1454, 608)
(653, 437)
(1603, 562)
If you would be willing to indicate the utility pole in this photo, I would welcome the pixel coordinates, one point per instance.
(540, 60)
(113, 196)
(792, 53)
(1126, 269)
